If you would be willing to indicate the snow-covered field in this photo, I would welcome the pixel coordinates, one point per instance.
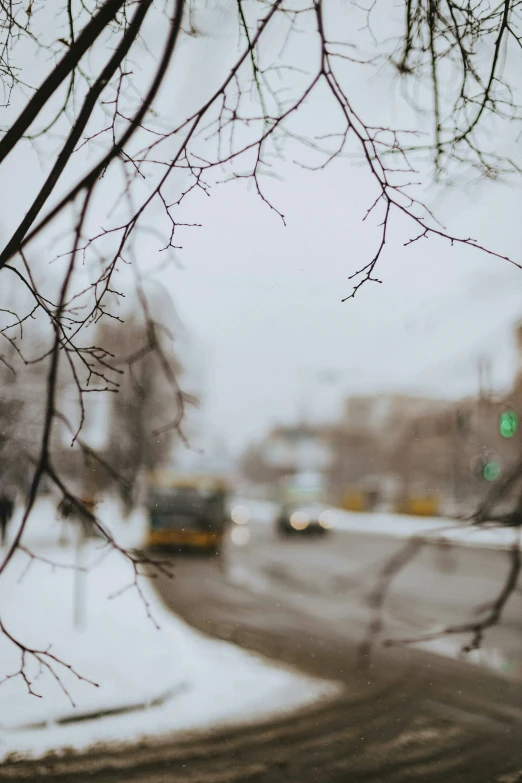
(167, 675)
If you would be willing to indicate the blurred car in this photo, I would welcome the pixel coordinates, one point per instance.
(302, 518)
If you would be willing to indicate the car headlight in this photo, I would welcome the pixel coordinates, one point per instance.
(327, 519)
(240, 515)
(299, 520)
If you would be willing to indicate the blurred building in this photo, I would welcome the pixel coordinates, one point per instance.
(371, 433)
(403, 444)
(299, 448)
(287, 450)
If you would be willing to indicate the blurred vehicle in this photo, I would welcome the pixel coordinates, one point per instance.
(355, 499)
(187, 511)
(304, 487)
(364, 496)
(417, 501)
(302, 506)
(299, 518)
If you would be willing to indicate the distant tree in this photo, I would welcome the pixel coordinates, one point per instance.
(22, 388)
(14, 471)
(145, 414)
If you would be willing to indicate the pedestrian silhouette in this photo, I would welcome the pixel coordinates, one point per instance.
(6, 512)
(70, 511)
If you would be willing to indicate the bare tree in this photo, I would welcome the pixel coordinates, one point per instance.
(142, 424)
(116, 169)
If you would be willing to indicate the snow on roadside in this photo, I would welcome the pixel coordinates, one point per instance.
(399, 525)
(196, 681)
(45, 528)
(433, 528)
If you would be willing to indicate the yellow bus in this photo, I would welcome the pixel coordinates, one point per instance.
(186, 511)
(418, 505)
(363, 496)
(417, 500)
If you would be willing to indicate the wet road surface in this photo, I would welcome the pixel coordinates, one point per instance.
(404, 715)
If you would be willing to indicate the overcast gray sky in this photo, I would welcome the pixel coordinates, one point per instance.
(263, 301)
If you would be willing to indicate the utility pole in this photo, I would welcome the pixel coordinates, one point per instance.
(483, 406)
(461, 428)
(484, 380)
(80, 585)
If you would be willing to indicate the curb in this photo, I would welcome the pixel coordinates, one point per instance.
(67, 720)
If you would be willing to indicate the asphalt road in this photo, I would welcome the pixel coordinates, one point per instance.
(406, 714)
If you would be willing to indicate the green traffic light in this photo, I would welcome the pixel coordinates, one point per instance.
(491, 471)
(508, 424)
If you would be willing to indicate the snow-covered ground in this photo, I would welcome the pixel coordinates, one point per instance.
(158, 674)
(187, 680)
(436, 528)
(398, 525)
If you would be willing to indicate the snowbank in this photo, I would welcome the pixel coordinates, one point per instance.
(188, 680)
(45, 528)
(431, 528)
(398, 525)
